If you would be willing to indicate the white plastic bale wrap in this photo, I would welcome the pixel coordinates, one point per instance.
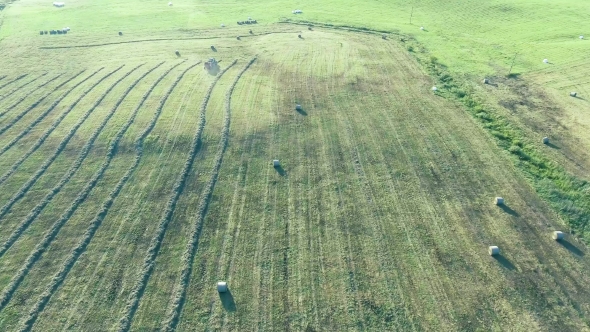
(222, 286)
(493, 251)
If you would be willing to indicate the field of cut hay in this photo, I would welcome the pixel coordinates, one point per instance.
(132, 180)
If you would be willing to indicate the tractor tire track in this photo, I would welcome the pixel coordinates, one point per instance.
(192, 246)
(12, 81)
(82, 195)
(43, 115)
(60, 276)
(33, 179)
(31, 91)
(35, 104)
(4, 96)
(64, 180)
(154, 248)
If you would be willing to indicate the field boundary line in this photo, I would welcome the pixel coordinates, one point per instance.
(96, 222)
(154, 248)
(29, 93)
(33, 179)
(4, 96)
(34, 105)
(40, 248)
(44, 114)
(192, 246)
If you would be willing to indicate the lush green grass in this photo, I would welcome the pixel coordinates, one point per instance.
(381, 214)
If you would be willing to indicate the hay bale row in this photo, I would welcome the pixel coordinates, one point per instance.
(190, 250)
(247, 22)
(24, 224)
(99, 217)
(55, 32)
(155, 243)
(50, 235)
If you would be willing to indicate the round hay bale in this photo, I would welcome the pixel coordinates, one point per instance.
(298, 107)
(213, 47)
(45, 32)
(40, 32)
(499, 201)
(545, 61)
(421, 28)
(486, 81)
(581, 37)
(222, 286)
(250, 31)
(434, 88)
(545, 140)
(222, 25)
(558, 235)
(299, 36)
(276, 163)
(494, 251)
(238, 38)
(177, 53)
(120, 33)
(384, 36)
(169, 3)
(573, 94)
(309, 28)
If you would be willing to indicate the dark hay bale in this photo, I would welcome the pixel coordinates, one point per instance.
(299, 36)
(309, 28)
(486, 81)
(251, 31)
(40, 32)
(64, 31)
(238, 37)
(239, 23)
(177, 53)
(120, 33)
(254, 22)
(384, 36)
(212, 47)
(59, 32)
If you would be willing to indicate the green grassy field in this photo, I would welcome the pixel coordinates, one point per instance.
(132, 180)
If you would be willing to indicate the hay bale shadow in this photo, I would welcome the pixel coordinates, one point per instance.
(508, 210)
(280, 170)
(571, 248)
(227, 300)
(504, 262)
(301, 111)
(213, 70)
(553, 146)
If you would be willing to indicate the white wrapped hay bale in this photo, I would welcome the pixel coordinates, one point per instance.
(276, 163)
(493, 251)
(545, 140)
(222, 286)
(499, 201)
(558, 235)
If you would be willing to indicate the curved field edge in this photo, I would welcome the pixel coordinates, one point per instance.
(154, 248)
(191, 248)
(568, 195)
(60, 276)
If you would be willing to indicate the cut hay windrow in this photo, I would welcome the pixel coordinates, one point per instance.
(33, 179)
(2, 77)
(26, 222)
(191, 248)
(60, 276)
(82, 195)
(12, 81)
(156, 242)
(30, 92)
(8, 94)
(43, 115)
(35, 104)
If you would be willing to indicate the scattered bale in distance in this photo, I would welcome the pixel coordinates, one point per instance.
(421, 28)
(299, 36)
(213, 47)
(434, 88)
(238, 38)
(309, 28)
(545, 140)
(239, 23)
(276, 163)
(558, 235)
(120, 33)
(67, 28)
(545, 61)
(384, 36)
(40, 32)
(486, 81)
(499, 201)
(64, 31)
(254, 21)
(573, 94)
(298, 107)
(250, 31)
(177, 53)
(45, 32)
(59, 32)
(222, 286)
(249, 18)
(222, 25)
(581, 37)
(493, 251)
(170, 3)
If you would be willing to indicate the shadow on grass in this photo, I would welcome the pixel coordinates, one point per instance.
(513, 75)
(504, 262)
(301, 111)
(553, 146)
(569, 246)
(508, 210)
(227, 300)
(281, 171)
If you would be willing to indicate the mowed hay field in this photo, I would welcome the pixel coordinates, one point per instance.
(132, 181)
